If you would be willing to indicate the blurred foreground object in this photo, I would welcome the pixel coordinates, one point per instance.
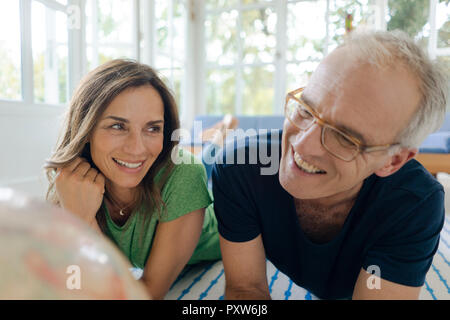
(47, 253)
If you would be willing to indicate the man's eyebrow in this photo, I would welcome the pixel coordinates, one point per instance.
(344, 128)
(126, 120)
(352, 133)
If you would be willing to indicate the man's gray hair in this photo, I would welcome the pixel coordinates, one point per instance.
(389, 48)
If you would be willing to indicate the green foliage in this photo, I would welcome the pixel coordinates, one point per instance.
(258, 91)
(62, 80)
(360, 10)
(105, 19)
(38, 78)
(9, 78)
(408, 15)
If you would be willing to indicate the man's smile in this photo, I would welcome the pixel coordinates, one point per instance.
(306, 166)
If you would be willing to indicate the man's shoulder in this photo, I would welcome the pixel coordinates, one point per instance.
(414, 179)
(411, 195)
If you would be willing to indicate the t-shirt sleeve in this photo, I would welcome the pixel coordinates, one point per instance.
(186, 189)
(405, 253)
(234, 208)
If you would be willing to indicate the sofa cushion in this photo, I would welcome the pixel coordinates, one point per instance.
(438, 142)
(245, 123)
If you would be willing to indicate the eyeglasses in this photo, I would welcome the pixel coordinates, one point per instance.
(335, 141)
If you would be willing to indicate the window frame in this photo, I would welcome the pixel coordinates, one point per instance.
(279, 62)
(193, 95)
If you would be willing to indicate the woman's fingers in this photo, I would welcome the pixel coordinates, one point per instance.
(91, 174)
(100, 181)
(73, 165)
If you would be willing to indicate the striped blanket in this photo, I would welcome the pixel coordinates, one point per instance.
(207, 281)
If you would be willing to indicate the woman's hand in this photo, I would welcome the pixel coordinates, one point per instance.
(80, 189)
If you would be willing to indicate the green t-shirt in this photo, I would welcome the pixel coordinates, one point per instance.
(184, 191)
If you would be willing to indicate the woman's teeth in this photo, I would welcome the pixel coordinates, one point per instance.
(127, 164)
(305, 166)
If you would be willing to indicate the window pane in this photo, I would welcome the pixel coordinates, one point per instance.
(361, 11)
(173, 78)
(258, 35)
(115, 20)
(109, 53)
(179, 33)
(170, 20)
(220, 91)
(109, 31)
(221, 38)
(218, 4)
(258, 90)
(306, 30)
(255, 1)
(443, 24)
(10, 65)
(410, 16)
(50, 52)
(162, 15)
(298, 74)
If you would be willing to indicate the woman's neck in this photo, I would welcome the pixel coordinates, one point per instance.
(121, 196)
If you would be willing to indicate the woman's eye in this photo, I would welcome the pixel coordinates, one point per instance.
(117, 126)
(154, 129)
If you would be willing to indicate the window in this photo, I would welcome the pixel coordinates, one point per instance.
(50, 53)
(306, 45)
(109, 31)
(440, 46)
(152, 32)
(256, 51)
(240, 56)
(169, 44)
(217, 56)
(10, 57)
(427, 21)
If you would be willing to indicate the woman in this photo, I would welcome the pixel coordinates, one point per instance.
(112, 167)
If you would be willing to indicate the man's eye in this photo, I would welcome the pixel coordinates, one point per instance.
(304, 113)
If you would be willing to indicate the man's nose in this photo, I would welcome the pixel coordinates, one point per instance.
(134, 143)
(309, 141)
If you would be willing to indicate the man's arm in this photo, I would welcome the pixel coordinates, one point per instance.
(245, 269)
(385, 290)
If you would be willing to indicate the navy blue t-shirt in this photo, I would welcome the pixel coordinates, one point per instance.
(394, 223)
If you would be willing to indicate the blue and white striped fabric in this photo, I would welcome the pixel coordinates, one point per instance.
(207, 281)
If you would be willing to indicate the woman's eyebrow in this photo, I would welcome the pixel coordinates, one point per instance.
(127, 121)
(116, 118)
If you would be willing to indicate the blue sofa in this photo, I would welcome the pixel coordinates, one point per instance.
(438, 142)
(434, 153)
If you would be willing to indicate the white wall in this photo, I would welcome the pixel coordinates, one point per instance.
(27, 136)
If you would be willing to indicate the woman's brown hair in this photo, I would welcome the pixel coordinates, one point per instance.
(91, 98)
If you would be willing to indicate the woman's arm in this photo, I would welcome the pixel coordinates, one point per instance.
(173, 246)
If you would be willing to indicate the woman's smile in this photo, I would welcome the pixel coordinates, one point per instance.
(129, 164)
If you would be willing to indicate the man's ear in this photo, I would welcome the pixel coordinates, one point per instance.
(396, 161)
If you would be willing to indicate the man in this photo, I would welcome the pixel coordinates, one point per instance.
(349, 200)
